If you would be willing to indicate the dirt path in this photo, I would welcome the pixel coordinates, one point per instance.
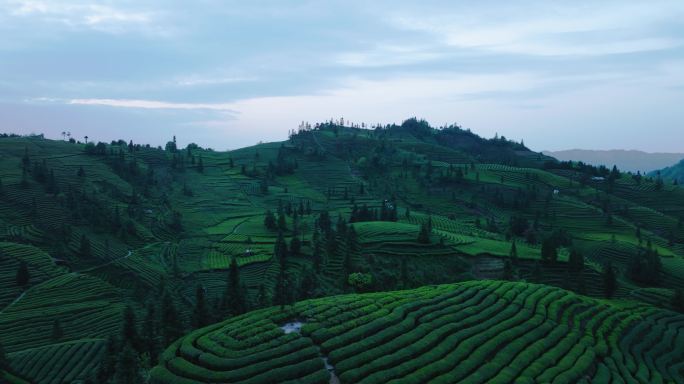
(14, 301)
(296, 327)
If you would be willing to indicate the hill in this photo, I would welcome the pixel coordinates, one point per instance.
(675, 172)
(473, 332)
(111, 251)
(632, 161)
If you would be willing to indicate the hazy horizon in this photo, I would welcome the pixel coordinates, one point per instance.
(585, 75)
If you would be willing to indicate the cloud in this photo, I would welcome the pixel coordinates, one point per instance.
(202, 80)
(547, 29)
(388, 55)
(153, 104)
(105, 18)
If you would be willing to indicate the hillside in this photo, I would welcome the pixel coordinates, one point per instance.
(675, 172)
(111, 251)
(473, 332)
(628, 161)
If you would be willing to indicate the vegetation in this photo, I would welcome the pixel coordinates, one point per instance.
(479, 331)
(111, 252)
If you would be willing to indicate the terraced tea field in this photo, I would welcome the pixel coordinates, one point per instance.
(473, 332)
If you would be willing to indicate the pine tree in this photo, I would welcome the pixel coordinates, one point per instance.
(23, 274)
(317, 253)
(262, 297)
(25, 160)
(108, 361)
(282, 224)
(170, 324)
(352, 240)
(281, 290)
(280, 250)
(128, 367)
(678, 300)
(424, 234)
(149, 333)
(4, 362)
(536, 273)
(514, 252)
(57, 332)
(549, 252)
(200, 314)
(129, 329)
(234, 301)
(609, 280)
(507, 270)
(84, 247)
(295, 245)
(576, 261)
(270, 221)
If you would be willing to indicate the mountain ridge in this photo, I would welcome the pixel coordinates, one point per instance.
(627, 160)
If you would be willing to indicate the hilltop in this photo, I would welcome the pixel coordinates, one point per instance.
(111, 251)
(674, 173)
(628, 161)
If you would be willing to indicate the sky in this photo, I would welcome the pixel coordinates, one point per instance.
(228, 74)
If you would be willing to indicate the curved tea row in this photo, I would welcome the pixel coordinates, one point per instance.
(472, 332)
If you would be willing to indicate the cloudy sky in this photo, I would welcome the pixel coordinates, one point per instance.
(226, 74)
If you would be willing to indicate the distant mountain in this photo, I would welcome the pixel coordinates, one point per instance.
(625, 160)
(675, 172)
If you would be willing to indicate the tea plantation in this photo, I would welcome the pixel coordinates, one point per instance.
(121, 262)
(472, 332)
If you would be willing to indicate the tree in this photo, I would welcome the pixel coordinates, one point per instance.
(295, 245)
(4, 362)
(128, 367)
(200, 314)
(129, 329)
(280, 250)
(262, 298)
(659, 184)
(149, 333)
(424, 234)
(282, 295)
(23, 275)
(507, 270)
(234, 301)
(514, 253)
(282, 225)
(317, 253)
(549, 252)
(200, 165)
(360, 281)
(108, 361)
(609, 280)
(84, 248)
(678, 300)
(25, 160)
(57, 332)
(576, 261)
(536, 273)
(170, 324)
(270, 221)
